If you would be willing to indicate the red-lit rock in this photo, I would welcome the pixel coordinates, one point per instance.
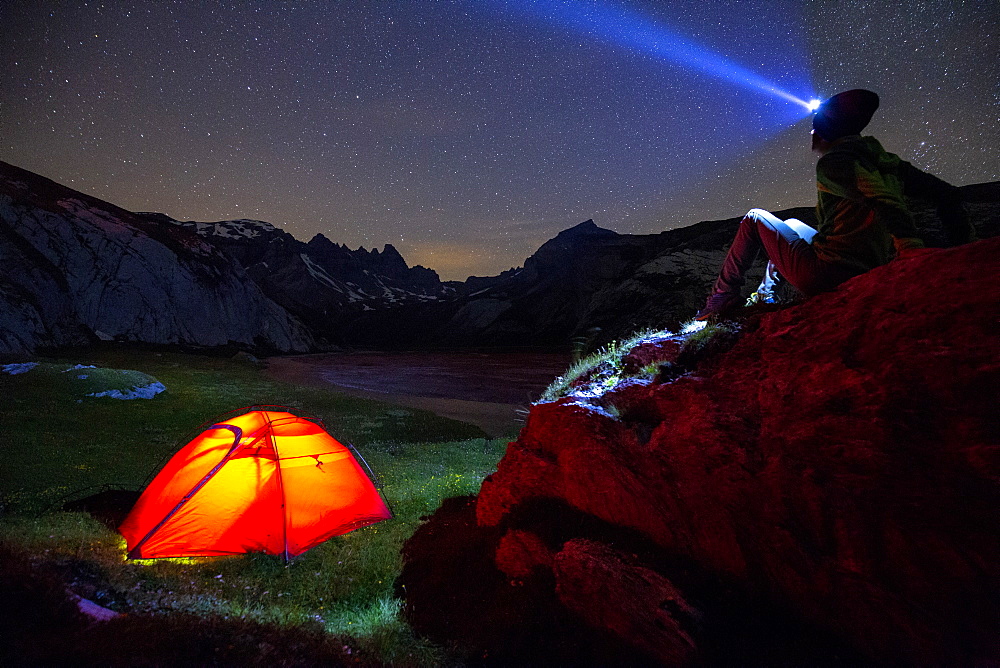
(652, 352)
(603, 588)
(839, 465)
(519, 553)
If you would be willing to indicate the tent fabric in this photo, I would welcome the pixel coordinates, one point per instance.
(264, 481)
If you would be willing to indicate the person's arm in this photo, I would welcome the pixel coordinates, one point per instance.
(842, 175)
(954, 220)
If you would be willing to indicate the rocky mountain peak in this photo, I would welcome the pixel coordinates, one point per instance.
(320, 240)
(389, 252)
(587, 228)
(569, 247)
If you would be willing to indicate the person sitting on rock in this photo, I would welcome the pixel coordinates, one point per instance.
(862, 217)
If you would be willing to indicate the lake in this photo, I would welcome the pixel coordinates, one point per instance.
(485, 389)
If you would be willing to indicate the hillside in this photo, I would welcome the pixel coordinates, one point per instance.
(593, 284)
(78, 270)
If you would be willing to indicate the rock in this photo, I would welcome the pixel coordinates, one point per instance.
(75, 266)
(80, 270)
(94, 612)
(635, 603)
(80, 380)
(663, 351)
(519, 553)
(490, 618)
(840, 465)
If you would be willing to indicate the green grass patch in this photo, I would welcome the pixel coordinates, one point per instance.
(721, 334)
(60, 443)
(600, 370)
(592, 376)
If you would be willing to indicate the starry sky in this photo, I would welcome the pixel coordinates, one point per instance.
(468, 132)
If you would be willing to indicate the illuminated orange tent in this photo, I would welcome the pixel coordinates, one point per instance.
(261, 482)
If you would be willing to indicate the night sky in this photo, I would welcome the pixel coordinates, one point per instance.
(466, 133)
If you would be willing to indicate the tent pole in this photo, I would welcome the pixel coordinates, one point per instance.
(372, 476)
(238, 434)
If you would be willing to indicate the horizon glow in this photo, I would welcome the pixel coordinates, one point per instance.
(626, 28)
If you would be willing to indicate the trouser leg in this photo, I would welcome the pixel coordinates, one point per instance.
(786, 245)
(771, 274)
(801, 229)
(758, 230)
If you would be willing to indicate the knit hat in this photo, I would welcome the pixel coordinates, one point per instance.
(845, 114)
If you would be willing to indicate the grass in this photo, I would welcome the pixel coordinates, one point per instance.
(59, 442)
(603, 370)
(600, 369)
(722, 333)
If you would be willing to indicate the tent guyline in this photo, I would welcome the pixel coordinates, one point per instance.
(282, 489)
(375, 478)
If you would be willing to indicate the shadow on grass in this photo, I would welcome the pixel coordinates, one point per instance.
(43, 626)
(109, 507)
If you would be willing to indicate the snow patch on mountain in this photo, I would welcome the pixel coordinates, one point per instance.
(242, 228)
(319, 273)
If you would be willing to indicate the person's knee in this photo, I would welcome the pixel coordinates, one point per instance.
(760, 218)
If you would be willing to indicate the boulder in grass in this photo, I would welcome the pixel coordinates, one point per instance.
(18, 368)
(87, 380)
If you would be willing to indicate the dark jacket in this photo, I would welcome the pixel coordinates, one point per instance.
(862, 215)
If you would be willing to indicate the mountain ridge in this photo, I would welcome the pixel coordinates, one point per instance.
(585, 284)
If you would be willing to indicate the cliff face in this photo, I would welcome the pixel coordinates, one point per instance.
(824, 491)
(77, 269)
(320, 282)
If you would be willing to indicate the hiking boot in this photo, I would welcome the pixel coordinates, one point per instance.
(762, 296)
(766, 293)
(718, 304)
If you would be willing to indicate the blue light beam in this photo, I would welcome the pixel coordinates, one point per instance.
(623, 27)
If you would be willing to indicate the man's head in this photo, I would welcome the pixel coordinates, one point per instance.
(844, 114)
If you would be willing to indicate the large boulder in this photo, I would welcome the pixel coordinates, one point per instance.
(825, 491)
